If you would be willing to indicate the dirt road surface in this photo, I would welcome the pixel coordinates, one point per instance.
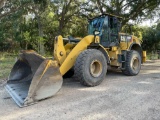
(119, 97)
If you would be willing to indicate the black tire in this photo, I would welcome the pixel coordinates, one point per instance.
(132, 64)
(69, 74)
(90, 67)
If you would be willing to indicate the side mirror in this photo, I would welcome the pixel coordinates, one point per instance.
(96, 32)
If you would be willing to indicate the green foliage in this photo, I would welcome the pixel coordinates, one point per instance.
(32, 24)
(152, 56)
(6, 64)
(151, 38)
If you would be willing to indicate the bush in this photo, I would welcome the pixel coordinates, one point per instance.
(152, 56)
(7, 61)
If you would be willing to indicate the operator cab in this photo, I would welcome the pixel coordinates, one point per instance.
(108, 26)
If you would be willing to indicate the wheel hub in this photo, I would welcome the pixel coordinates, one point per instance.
(135, 64)
(96, 68)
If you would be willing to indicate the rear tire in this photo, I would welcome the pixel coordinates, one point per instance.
(132, 64)
(90, 67)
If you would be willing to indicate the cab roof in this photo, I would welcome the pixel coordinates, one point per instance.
(107, 14)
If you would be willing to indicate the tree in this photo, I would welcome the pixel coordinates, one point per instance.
(128, 9)
(151, 38)
(35, 23)
(8, 7)
(65, 10)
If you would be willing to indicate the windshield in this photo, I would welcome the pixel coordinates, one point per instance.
(95, 24)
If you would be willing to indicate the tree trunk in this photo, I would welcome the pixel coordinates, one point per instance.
(41, 43)
(26, 46)
(61, 27)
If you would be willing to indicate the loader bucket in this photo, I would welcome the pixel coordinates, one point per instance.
(33, 78)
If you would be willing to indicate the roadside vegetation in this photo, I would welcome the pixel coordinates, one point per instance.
(6, 63)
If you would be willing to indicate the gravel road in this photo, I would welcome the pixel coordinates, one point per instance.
(119, 97)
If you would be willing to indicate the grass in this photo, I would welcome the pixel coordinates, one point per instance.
(6, 63)
(152, 56)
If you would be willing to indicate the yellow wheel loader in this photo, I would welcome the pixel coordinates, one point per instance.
(34, 77)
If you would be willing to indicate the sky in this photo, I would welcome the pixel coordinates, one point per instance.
(148, 22)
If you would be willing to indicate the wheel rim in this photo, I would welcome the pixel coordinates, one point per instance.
(135, 64)
(95, 68)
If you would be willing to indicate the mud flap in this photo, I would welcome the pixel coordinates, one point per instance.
(33, 78)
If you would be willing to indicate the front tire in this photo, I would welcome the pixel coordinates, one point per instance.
(90, 67)
(132, 64)
(69, 73)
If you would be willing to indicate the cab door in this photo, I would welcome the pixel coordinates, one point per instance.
(105, 40)
(110, 31)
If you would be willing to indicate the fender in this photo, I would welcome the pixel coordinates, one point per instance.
(138, 48)
(105, 52)
(102, 49)
(135, 46)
